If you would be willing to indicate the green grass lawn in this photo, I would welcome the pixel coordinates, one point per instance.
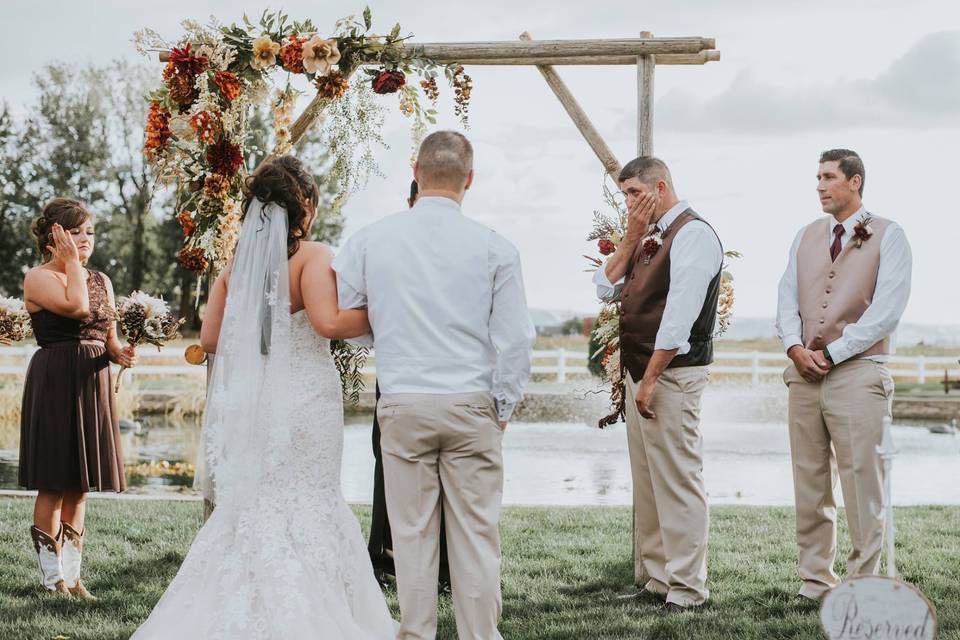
(566, 572)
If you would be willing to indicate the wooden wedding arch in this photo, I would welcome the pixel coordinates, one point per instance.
(645, 53)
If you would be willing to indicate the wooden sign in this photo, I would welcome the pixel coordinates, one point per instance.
(877, 608)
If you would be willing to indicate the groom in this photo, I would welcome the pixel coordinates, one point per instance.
(846, 285)
(453, 342)
(668, 280)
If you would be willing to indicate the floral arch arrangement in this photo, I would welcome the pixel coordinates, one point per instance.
(197, 135)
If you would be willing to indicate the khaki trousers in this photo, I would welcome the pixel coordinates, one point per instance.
(836, 425)
(671, 518)
(444, 447)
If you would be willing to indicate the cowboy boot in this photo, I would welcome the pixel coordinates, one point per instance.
(48, 555)
(72, 555)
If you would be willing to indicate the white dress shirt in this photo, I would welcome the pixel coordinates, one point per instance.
(695, 258)
(446, 303)
(889, 298)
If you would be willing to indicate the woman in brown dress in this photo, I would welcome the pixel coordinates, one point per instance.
(69, 429)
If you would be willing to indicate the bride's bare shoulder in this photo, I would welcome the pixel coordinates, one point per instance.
(315, 251)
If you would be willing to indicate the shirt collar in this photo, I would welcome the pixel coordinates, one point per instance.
(849, 223)
(436, 203)
(672, 214)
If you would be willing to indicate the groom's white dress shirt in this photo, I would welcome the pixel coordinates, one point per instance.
(446, 303)
(889, 298)
(695, 258)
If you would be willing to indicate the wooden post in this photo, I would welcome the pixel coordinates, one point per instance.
(579, 117)
(645, 67)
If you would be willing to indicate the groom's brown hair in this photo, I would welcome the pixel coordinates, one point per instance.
(445, 160)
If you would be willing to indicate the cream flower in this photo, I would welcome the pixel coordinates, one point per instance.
(180, 127)
(319, 55)
(265, 53)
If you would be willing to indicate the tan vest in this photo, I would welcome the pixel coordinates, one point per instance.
(835, 294)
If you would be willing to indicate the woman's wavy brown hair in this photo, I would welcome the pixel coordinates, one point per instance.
(286, 182)
(66, 212)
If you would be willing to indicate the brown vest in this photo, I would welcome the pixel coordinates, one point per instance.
(832, 295)
(644, 299)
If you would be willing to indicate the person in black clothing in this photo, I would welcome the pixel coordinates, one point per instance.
(380, 544)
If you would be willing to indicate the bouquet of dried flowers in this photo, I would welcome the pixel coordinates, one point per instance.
(14, 321)
(146, 319)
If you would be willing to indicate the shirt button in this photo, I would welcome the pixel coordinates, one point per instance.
(821, 321)
(831, 275)
(828, 290)
(824, 305)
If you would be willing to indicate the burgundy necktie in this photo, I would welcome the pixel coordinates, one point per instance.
(836, 246)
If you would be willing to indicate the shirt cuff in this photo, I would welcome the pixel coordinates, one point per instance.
(504, 410)
(840, 350)
(606, 290)
(792, 340)
(668, 344)
(366, 340)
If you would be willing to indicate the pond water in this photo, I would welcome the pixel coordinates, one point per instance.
(746, 461)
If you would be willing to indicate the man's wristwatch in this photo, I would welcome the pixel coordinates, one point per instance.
(826, 354)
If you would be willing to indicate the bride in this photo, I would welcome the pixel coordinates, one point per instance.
(282, 556)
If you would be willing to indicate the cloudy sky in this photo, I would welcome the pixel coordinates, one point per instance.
(742, 135)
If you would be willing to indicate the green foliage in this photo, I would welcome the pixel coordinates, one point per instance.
(567, 573)
(82, 137)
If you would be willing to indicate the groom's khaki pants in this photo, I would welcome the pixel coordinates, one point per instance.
(444, 447)
(837, 424)
(669, 498)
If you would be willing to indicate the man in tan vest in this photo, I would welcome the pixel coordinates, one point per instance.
(846, 285)
(668, 280)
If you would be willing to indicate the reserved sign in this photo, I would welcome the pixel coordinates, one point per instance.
(877, 608)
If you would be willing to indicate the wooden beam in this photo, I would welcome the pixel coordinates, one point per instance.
(464, 52)
(645, 68)
(579, 117)
(666, 59)
(461, 51)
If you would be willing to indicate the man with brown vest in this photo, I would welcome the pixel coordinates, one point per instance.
(846, 285)
(668, 280)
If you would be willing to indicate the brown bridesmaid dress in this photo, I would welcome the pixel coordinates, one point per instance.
(69, 428)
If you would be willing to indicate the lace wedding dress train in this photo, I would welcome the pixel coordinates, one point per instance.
(285, 557)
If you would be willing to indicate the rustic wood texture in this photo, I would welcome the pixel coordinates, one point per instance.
(692, 50)
(579, 117)
(673, 59)
(461, 51)
(645, 68)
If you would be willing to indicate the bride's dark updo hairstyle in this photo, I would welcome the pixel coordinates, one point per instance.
(284, 181)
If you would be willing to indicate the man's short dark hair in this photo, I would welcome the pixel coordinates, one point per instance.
(849, 162)
(646, 169)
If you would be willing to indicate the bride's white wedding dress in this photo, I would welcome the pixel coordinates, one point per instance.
(282, 556)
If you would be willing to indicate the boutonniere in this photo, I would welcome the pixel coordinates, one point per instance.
(650, 245)
(862, 230)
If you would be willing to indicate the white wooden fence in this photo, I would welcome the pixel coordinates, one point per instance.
(562, 364)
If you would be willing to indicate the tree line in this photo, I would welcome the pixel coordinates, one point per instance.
(82, 136)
